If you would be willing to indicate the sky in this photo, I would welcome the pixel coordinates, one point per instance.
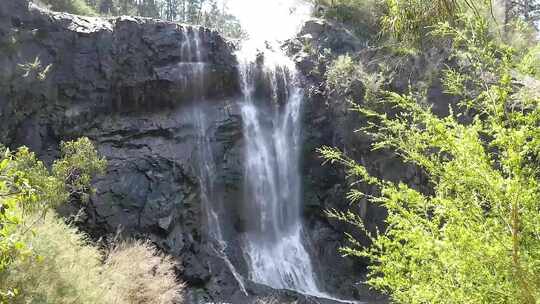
(271, 19)
(268, 22)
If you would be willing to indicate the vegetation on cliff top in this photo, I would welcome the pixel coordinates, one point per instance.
(208, 13)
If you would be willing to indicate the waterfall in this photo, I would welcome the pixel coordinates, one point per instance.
(211, 200)
(193, 63)
(274, 244)
(272, 239)
(210, 194)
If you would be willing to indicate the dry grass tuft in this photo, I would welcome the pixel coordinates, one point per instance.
(271, 300)
(64, 268)
(139, 274)
(61, 269)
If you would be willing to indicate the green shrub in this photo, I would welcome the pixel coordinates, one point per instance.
(78, 165)
(29, 189)
(344, 74)
(78, 7)
(412, 20)
(61, 268)
(530, 63)
(43, 260)
(341, 74)
(474, 237)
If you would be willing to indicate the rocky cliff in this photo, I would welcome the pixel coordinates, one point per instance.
(129, 85)
(134, 86)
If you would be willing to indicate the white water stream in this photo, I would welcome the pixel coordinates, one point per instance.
(272, 123)
(274, 247)
(271, 110)
(211, 198)
(210, 195)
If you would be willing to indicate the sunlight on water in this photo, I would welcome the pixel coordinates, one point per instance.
(270, 19)
(274, 245)
(269, 23)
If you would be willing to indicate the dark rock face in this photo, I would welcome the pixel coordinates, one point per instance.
(132, 85)
(116, 65)
(129, 84)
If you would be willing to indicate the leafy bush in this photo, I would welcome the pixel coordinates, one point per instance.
(411, 20)
(28, 188)
(530, 63)
(362, 16)
(341, 74)
(138, 274)
(78, 7)
(79, 163)
(60, 268)
(344, 75)
(474, 238)
(43, 260)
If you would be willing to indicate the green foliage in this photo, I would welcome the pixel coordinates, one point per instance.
(341, 74)
(530, 64)
(404, 20)
(222, 21)
(63, 268)
(362, 16)
(474, 238)
(44, 260)
(345, 74)
(209, 13)
(409, 20)
(78, 7)
(28, 188)
(34, 70)
(79, 163)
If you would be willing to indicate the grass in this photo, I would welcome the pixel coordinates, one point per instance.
(141, 275)
(64, 268)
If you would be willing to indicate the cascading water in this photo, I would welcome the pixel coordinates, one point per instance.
(273, 240)
(274, 245)
(193, 63)
(210, 192)
(271, 114)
